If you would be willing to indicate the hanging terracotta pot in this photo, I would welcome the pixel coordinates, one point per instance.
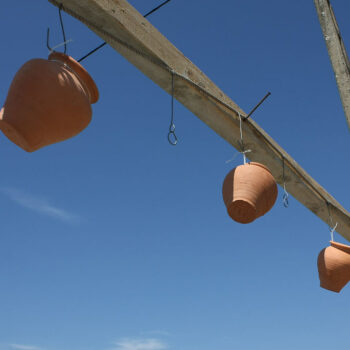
(334, 266)
(249, 191)
(48, 101)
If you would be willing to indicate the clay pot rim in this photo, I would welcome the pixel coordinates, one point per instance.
(242, 199)
(21, 141)
(258, 164)
(232, 204)
(80, 71)
(344, 247)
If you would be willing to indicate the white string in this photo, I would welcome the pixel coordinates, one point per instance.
(243, 151)
(59, 45)
(285, 194)
(236, 154)
(233, 158)
(332, 231)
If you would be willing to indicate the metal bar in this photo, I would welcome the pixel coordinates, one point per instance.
(257, 106)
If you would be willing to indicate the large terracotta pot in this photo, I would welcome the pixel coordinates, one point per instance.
(249, 191)
(334, 266)
(48, 101)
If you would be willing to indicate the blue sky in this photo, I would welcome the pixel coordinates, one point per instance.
(115, 240)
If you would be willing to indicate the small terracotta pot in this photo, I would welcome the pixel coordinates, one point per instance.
(48, 101)
(249, 191)
(334, 266)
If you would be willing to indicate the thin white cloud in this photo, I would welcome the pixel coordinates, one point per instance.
(38, 204)
(156, 332)
(23, 347)
(140, 344)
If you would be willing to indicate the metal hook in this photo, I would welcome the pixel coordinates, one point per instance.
(48, 39)
(172, 138)
(63, 33)
(285, 194)
(62, 28)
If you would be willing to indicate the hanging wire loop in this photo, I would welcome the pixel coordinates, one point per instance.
(285, 197)
(285, 193)
(172, 138)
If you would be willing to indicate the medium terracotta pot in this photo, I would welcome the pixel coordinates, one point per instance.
(334, 266)
(48, 101)
(249, 191)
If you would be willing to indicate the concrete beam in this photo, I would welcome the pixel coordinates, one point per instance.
(336, 51)
(125, 29)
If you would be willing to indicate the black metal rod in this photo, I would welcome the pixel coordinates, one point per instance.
(92, 51)
(63, 32)
(156, 8)
(257, 106)
(103, 44)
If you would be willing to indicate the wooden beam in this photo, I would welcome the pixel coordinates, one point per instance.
(125, 29)
(336, 51)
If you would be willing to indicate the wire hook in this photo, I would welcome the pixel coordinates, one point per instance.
(62, 28)
(48, 40)
(63, 34)
(172, 138)
(285, 194)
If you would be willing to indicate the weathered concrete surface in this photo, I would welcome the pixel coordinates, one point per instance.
(336, 51)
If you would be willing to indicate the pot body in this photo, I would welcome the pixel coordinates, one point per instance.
(48, 101)
(334, 266)
(249, 191)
